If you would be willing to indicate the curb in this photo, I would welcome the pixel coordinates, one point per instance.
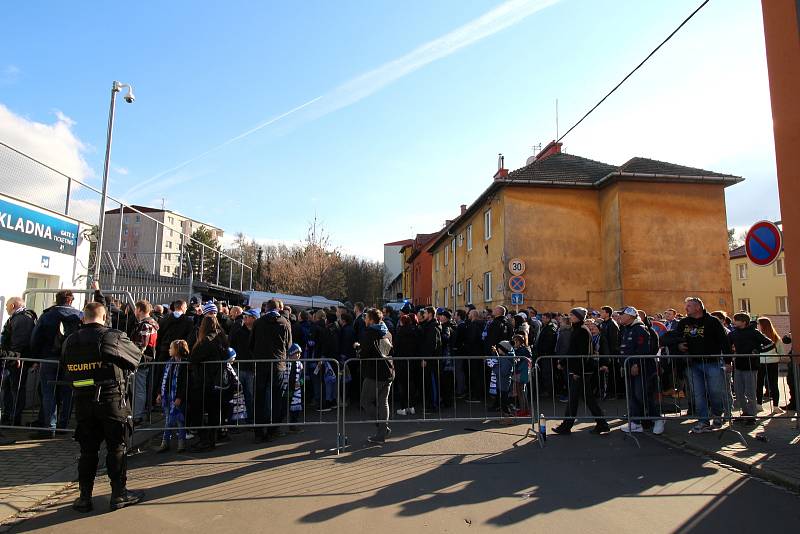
(757, 471)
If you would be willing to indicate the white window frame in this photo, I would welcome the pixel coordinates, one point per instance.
(446, 255)
(460, 240)
(487, 224)
(741, 271)
(744, 305)
(487, 286)
(469, 291)
(782, 305)
(460, 288)
(446, 297)
(782, 270)
(436, 262)
(168, 244)
(436, 298)
(469, 237)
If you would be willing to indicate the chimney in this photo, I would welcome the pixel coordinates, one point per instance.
(552, 147)
(463, 209)
(502, 172)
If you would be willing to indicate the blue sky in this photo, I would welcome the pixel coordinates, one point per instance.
(403, 105)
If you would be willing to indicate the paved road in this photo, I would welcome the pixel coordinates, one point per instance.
(436, 480)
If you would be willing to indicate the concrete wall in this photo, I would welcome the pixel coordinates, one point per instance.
(673, 244)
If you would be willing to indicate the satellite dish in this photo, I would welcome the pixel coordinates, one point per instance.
(530, 160)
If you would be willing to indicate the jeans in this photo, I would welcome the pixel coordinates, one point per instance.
(247, 379)
(708, 388)
(643, 394)
(175, 421)
(745, 384)
(140, 392)
(375, 401)
(53, 396)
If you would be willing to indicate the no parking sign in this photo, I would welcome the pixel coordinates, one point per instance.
(763, 243)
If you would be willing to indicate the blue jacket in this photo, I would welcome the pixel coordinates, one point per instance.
(43, 338)
(635, 341)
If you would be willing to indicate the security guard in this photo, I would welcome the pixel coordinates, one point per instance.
(98, 360)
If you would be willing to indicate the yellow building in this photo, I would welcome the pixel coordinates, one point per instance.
(758, 290)
(646, 234)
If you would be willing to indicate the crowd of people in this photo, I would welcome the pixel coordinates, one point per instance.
(426, 359)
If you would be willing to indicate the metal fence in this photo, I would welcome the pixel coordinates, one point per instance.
(140, 251)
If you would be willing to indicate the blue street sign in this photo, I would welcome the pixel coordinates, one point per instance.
(517, 299)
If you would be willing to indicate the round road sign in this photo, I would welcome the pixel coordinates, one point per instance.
(516, 266)
(763, 243)
(517, 284)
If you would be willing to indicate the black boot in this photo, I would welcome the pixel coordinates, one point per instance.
(122, 497)
(83, 504)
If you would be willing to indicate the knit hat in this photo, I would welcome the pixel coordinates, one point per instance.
(294, 349)
(210, 307)
(505, 347)
(252, 313)
(580, 313)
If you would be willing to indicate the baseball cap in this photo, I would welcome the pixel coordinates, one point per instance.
(628, 310)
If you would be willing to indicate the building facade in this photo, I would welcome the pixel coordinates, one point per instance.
(393, 267)
(758, 290)
(419, 265)
(646, 234)
(154, 240)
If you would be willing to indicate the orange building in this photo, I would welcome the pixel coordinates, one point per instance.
(418, 265)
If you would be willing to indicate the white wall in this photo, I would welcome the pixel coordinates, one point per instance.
(392, 261)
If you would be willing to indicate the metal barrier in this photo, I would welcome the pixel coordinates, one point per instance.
(428, 389)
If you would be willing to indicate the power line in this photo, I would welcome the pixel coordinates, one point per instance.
(651, 54)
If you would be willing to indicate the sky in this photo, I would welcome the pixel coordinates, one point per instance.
(379, 118)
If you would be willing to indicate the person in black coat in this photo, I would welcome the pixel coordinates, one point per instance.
(177, 325)
(430, 347)
(581, 373)
(377, 371)
(747, 342)
(473, 346)
(211, 346)
(16, 343)
(270, 340)
(409, 375)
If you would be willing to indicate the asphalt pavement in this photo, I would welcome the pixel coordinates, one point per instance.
(447, 478)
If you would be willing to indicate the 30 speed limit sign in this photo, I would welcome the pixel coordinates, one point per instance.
(516, 266)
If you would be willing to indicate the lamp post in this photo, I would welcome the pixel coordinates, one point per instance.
(129, 98)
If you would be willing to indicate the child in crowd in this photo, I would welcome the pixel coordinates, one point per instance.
(173, 393)
(292, 386)
(521, 374)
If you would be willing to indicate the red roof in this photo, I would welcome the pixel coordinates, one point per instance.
(400, 243)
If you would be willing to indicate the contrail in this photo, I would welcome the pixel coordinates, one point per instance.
(503, 16)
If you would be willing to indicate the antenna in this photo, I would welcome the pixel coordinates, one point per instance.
(500, 161)
(163, 203)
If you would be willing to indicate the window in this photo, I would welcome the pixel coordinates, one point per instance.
(452, 290)
(125, 220)
(487, 225)
(446, 256)
(138, 218)
(124, 244)
(168, 244)
(460, 288)
(744, 305)
(436, 262)
(469, 237)
(779, 267)
(124, 231)
(460, 240)
(436, 298)
(741, 271)
(446, 298)
(487, 286)
(171, 220)
(170, 233)
(166, 268)
(453, 247)
(782, 304)
(469, 291)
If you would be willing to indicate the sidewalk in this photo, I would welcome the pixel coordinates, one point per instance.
(35, 472)
(772, 452)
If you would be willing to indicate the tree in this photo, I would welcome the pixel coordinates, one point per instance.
(735, 241)
(202, 249)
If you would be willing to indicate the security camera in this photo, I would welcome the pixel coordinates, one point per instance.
(129, 98)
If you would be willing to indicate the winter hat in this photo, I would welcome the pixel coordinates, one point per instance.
(580, 313)
(252, 313)
(628, 310)
(210, 307)
(294, 349)
(523, 315)
(505, 347)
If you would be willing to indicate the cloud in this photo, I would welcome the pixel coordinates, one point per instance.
(121, 170)
(360, 87)
(54, 145)
(9, 75)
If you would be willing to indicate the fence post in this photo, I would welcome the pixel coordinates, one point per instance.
(113, 269)
(119, 237)
(180, 261)
(251, 278)
(202, 258)
(191, 277)
(69, 190)
(219, 255)
(241, 274)
(230, 275)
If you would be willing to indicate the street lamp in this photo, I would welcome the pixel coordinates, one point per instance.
(129, 98)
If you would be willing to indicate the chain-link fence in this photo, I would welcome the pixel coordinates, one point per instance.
(149, 252)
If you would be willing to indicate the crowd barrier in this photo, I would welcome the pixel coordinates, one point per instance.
(275, 394)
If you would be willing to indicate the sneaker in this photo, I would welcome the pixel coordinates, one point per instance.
(717, 423)
(83, 504)
(632, 428)
(788, 407)
(377, 439)
(563, 430)
(701, 428)
(600, 428)
(658, 427)
(401, 412)
(164, 447)
(777, 410)
(411, 411)
(181, 445)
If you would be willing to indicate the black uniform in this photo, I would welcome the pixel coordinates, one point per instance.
(96, 355)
